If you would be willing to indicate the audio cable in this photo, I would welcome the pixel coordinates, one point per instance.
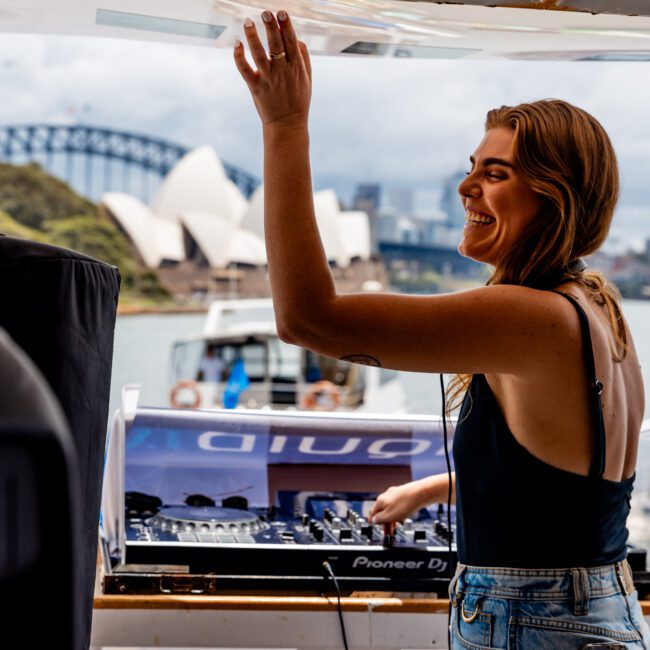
(330, 573)
(444, 429)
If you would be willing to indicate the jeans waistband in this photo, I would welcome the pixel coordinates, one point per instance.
(578, 583)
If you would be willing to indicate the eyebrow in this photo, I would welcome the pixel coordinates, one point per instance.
(493, 161)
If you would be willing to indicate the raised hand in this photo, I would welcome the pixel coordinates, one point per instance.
(281, 84)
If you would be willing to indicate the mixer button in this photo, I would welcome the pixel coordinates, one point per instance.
(420, 536)
(345, 534)
(367, 531)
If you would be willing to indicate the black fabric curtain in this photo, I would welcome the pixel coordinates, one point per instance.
(60, 307)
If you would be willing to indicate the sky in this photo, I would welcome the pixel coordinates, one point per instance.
(398, 122)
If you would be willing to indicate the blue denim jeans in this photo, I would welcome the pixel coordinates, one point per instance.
(535, 609)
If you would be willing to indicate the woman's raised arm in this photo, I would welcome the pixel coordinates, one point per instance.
(492, 329)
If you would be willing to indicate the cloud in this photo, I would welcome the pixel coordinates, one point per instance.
(398, 122)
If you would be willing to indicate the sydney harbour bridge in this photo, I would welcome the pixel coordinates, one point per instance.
(95, 160)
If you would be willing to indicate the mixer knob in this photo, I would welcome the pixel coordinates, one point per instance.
(189, 527)
(367, 531)
(304, 519)
(313, 525)
(335, 523)
(408, 525)
(441, 509)
(205, 528)
(328, 515)
(318, 533)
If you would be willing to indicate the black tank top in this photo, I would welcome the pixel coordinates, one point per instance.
(515, 510)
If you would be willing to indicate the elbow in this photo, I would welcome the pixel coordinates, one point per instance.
(290, 331)
(286, 335)
(296, 332)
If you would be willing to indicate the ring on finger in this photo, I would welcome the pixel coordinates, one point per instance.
(274, 57)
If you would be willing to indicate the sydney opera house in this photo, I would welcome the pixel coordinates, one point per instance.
(203, 236)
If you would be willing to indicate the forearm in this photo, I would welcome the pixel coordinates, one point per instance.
(298, 269)
(435, 489)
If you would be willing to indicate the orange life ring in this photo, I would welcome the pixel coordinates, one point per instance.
(312, 400)
(185, 385)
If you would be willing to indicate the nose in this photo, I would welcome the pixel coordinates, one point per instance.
(468, 188)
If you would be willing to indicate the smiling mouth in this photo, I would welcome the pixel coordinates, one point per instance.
(473, 218)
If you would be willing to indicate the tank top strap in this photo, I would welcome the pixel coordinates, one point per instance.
(597, 467)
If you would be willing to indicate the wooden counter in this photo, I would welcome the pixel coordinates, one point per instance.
(372, 620)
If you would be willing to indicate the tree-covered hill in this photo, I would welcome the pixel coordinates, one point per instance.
(40, 207)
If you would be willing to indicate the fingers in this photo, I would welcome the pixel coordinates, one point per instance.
(273, 36)
(255, 45)
(305, 58)
(242, 64)
(289, 36)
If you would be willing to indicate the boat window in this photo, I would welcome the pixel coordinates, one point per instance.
(284, 360)
(186, 357)
(252, 353)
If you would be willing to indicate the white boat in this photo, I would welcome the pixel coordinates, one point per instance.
(241, 335)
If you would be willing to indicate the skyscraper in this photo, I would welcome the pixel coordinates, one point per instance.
(367, 197)
(451, 203)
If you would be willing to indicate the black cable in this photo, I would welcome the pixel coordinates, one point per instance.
(330, 571)
(444, 429)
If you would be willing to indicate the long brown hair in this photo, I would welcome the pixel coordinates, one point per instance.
(566, 157)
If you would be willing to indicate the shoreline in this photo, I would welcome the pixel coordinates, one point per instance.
(139, 310)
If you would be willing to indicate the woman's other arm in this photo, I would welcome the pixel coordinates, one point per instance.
(401, 501)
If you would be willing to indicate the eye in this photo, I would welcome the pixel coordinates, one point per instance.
(495, 175)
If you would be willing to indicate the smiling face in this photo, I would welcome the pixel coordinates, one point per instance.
(498, 203)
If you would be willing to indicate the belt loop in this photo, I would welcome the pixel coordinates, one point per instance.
(454, 581)
(581, 591)
(624, 575)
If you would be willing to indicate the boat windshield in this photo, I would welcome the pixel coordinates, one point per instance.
(264, 359)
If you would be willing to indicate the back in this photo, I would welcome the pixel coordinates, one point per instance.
(547, 515)
(549, 414)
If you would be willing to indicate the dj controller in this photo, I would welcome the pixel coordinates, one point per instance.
(286, 546)
(206, 503)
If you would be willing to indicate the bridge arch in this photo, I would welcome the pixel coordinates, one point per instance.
(151, 156)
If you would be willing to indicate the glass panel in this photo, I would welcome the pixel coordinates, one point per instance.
(284, 360)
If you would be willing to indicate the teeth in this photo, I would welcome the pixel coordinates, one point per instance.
(475, 217)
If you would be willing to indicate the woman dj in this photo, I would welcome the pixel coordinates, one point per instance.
(546, 443)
